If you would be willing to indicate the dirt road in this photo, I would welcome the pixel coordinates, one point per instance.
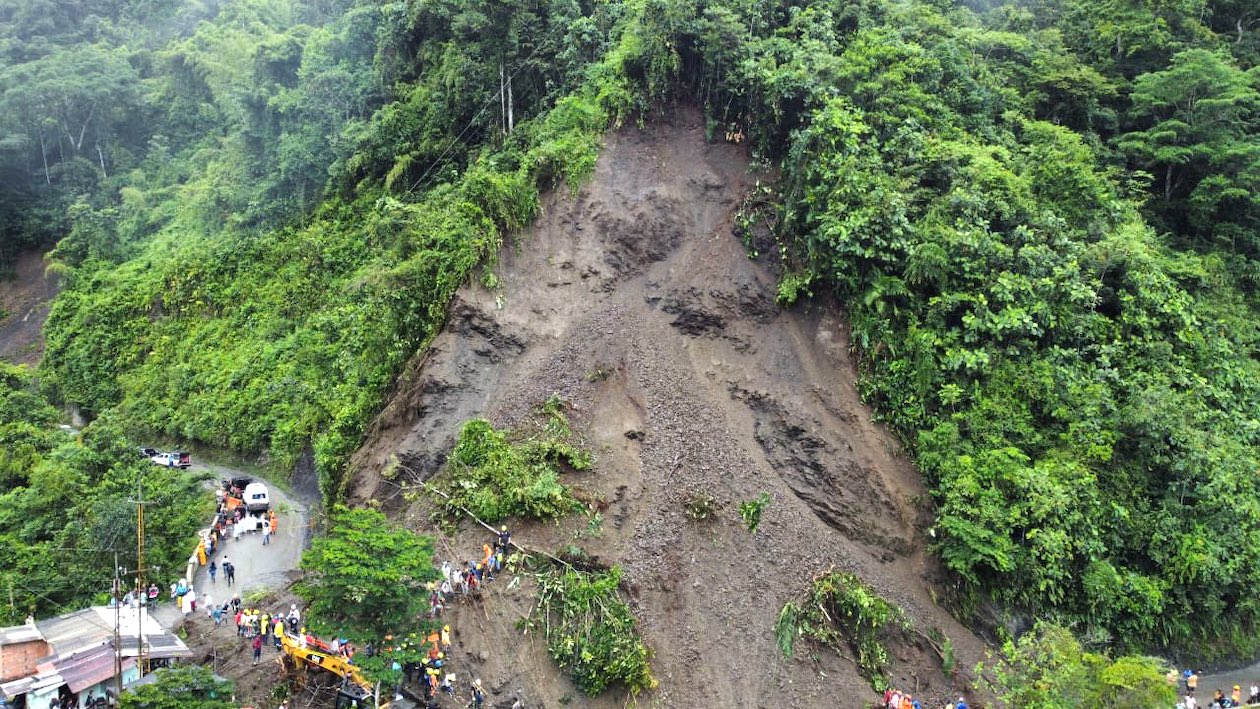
(257, 566)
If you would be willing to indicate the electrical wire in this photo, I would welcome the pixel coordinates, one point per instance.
(520, 67)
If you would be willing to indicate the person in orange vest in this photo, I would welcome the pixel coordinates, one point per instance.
(273, 520)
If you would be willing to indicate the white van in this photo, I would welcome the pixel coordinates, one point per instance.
(257, 499)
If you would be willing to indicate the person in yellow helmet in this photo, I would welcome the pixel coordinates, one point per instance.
(446, 637)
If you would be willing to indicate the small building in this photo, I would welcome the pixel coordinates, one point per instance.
(21, 648)
(77, 659)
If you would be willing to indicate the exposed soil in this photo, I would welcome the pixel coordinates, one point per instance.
(24, 300)
(633, 301)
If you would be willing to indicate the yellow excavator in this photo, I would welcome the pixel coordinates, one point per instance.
(356, 692)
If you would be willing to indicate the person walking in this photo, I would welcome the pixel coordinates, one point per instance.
(208, 602)
(478, 696)
(213, 569)
(257, 648)
(229, 570)
(266, 529)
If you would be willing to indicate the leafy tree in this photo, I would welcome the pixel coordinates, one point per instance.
(365, 578)
(190, 687)
(1048, 668)
(64, 509)
(1203, 114)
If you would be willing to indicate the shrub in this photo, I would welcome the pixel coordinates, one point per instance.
(840, 611)
(590, 631)
(494, 477)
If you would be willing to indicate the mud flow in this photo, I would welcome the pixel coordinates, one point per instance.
(633, 301)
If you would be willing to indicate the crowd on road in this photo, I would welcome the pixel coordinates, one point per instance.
(1219, 700)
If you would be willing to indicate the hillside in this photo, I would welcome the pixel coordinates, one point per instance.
(24, 299)
(635, 303)
(961, 297)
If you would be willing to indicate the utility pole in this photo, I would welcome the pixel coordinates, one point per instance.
(141, 595)
(117, 620)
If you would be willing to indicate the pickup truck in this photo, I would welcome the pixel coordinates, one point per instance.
(173, 459)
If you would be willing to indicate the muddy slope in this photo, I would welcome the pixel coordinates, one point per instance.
(24, 300)
(634, 301)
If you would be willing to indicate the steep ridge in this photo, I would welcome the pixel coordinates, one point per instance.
(633, 301)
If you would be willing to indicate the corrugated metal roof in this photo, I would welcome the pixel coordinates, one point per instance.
(88, 667)
(19, 634)
(74, 631)
(16, 688)
(93, 626)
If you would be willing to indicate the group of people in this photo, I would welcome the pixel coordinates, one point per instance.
(1219, 700)
(458, 579)
(897, 699)
(466, 578)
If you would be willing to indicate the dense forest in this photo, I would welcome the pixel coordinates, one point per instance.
(1041, 220)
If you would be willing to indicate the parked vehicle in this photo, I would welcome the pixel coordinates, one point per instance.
(238, 483)
(149, 452)
(173, 459)
(257, 497)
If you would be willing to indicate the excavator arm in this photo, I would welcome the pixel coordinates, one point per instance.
(356, 691)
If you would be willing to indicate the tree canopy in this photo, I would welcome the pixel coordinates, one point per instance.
(365, 578)
(190, 687)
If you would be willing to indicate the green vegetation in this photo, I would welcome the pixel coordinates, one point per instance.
(750, 511)
(1048, 669)
(365, 578)
(1041, 220)
(64, 510)
(494, 477)
(190, 687)
(589, 629)
(841, 612)
(232, 277)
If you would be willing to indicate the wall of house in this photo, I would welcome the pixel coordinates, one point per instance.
(18, 659)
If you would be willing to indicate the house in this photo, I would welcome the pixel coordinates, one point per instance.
(78, 660)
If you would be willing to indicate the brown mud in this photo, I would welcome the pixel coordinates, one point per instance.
(24, 301)
(634, 302)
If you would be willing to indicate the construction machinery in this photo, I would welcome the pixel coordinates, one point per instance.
(355, 692)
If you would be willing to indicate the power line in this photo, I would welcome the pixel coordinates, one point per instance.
(520, 67)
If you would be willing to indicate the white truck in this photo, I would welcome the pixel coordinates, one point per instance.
(257, 497)
(173, 459)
